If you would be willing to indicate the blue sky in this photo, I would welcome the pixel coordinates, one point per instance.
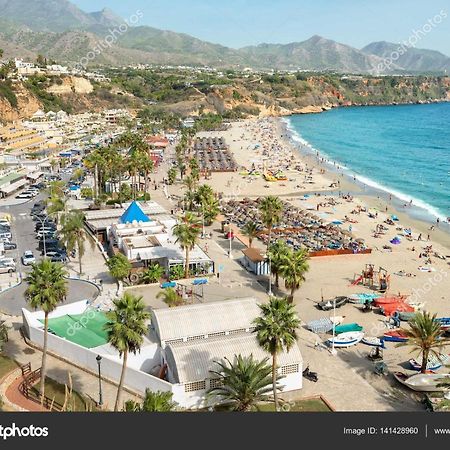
(237, 23)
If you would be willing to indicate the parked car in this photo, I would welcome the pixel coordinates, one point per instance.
(46, 226)
(8, 262)
(28, 258)
(9, 246)
(50, 245)
(25, 195)
(57, 257)
(5, 235)
(6, 268)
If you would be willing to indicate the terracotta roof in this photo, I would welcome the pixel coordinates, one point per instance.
(254, 255)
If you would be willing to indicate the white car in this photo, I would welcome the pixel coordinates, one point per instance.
(25, 195)
(7, 269)
(8, 262)
(28, 258)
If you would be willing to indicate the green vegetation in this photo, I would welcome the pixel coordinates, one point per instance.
(7, 365)
(170, 297)
(47, 287)
(7, 92)
(307, 405)
(126, 329)
(153, 402)
(276, 331)
(119, 266)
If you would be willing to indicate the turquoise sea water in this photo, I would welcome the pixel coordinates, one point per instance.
(404, 150)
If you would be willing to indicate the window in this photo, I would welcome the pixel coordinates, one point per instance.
(293, 368)
(196, 386)
(195, 338)
(215, 382)
(174, 341)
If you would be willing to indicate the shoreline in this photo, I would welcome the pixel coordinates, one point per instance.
(379, 198)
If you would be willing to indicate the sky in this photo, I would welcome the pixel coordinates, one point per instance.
(237, 23)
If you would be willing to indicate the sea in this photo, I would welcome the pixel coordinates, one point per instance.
(401, 150)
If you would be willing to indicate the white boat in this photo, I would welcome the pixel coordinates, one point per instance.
(372, 341)
(423, 382)
(346, 339)
(337, 320)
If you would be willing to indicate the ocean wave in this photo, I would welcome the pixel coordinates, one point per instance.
(429, 209)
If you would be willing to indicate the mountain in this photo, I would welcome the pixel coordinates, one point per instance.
(316, 53)
(413, 59)
(61, 31)
(53, 15)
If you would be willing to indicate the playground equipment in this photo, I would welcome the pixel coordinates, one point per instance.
(378, 280)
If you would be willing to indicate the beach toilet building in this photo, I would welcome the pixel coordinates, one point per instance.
(194, 338)
(255, 261)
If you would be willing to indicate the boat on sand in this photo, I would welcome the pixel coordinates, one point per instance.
(422, 382)
(346, 339)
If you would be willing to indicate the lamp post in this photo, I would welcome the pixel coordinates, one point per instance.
(100, 394)
(42, 222)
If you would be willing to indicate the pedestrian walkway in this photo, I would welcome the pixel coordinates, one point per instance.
(83, 382)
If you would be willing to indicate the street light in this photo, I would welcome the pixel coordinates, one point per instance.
(42, 222)
(100, 394)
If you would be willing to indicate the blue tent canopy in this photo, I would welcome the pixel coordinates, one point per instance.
(134, 213)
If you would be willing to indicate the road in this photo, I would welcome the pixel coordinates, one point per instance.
(22, 229)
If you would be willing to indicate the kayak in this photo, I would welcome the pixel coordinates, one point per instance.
(373, 341)
(395, 336)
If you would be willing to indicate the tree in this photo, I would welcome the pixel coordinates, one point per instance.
(126, 328)
(119, 266)
(210, 210)
(172, 175)
(293, 268)
(425, 335)
(276, 332)
(153, 402)
(270, 209)
(244, 383)
(3, 334)
(278, 251)
(170, 297)
(153, 274)
(74, 235)
(251, 230)
(47, 286)
(187, 233)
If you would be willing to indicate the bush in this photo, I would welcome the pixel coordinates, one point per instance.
(87, 193)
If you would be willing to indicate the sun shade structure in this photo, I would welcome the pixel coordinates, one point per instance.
(87, 329)
(134, 214)
(197, 321)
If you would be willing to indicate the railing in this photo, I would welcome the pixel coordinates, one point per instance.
(28, 391)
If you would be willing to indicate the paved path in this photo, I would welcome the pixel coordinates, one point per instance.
(83, 382)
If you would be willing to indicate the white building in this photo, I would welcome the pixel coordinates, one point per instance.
(183, 347)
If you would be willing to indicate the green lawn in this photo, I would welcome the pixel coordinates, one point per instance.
(307, 405)
(6, 365)
(56, 392)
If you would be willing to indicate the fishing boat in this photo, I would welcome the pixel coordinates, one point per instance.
(347, 328)
(381, 301)
(422, 382)
(391, 308)
(445, 323)
(329, 305)
(395, 336)
(434, 362)
(373, 341)
(346, 339)
(406, 316)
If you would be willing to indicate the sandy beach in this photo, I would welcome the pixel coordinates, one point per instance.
(264, 145)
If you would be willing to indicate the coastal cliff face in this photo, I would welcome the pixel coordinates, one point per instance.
(24, 104)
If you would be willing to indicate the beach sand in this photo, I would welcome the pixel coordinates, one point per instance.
(264, 144)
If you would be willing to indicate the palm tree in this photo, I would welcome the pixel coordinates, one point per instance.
(278, 251)
(153, 274)
(251, 230)
(425, 336)
(74, 235)
(119, 266)
(293, 269)
(187, 232)
(270, 209)
(210, 210)
(47, 286)
(276, 332)
(243, 383)
(153, 402)
(170, 297)
(126, 328)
